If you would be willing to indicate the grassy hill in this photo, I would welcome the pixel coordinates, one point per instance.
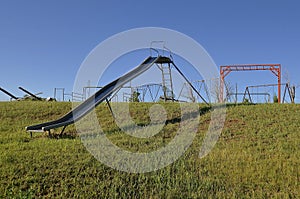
(257, 156)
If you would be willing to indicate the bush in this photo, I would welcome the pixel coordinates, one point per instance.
(246, 101)
(275, 98)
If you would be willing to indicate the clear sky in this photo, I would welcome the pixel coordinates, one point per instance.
(43, 43)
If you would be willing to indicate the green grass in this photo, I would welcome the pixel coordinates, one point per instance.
(257, 156)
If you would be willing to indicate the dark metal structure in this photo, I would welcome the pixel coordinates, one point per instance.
(291, 90)
(149, 92)
(167, 83)
(21, 98)
(247, 92)
(249, 95)
(31, 94)
(187, 92)
(288, 90)
(81, 110)
(9, 94)
(87, 90)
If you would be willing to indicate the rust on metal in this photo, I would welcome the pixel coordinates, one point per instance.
(274, 68)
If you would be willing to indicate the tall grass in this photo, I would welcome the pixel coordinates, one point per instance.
(257, 156)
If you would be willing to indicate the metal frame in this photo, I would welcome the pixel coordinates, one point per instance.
(198, 84)
(189, 91)
(170, 61)
(225, 70)
(82, 109)
(291, 91)
(77, 97)
(9, 94)
(152, 89)
(268, 85)
(21, 98)
(167, 81)
(191, 85)
(31, 94)
(249, 94)
(63, 93)
(88, 88)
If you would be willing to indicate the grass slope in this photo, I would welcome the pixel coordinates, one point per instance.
(257, 156)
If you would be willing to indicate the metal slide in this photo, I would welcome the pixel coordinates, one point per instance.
(101, 95)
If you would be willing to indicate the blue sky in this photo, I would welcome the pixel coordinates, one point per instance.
(43, 43)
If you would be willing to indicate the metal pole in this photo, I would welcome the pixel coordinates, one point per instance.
(26, 91)
(189, 83)
(8, 93)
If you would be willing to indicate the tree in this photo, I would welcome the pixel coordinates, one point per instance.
(275, 98)
(215, 90)
(135, 97)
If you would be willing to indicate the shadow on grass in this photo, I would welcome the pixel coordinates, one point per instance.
(175, 120)
(239, 104)
(206, 109)
(56, 135)
(67, 135)
(201, 111)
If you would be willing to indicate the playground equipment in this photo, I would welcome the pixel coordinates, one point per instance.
(291, 90)
(87, 90)
(103, 94)
(34, 96)
(149, 92)
(288, 90)
(187, 93)
(225, 70)
(9, 94)
(249, 95)
(200, 85)
(56, 94)
(165, 68)
(254, 94)
(30, 95)
(167, 83)
(61, 95)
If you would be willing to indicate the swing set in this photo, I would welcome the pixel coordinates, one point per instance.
(288, 91)
(225, 70)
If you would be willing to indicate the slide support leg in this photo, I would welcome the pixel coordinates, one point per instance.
(107, 101)
(62, 131)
